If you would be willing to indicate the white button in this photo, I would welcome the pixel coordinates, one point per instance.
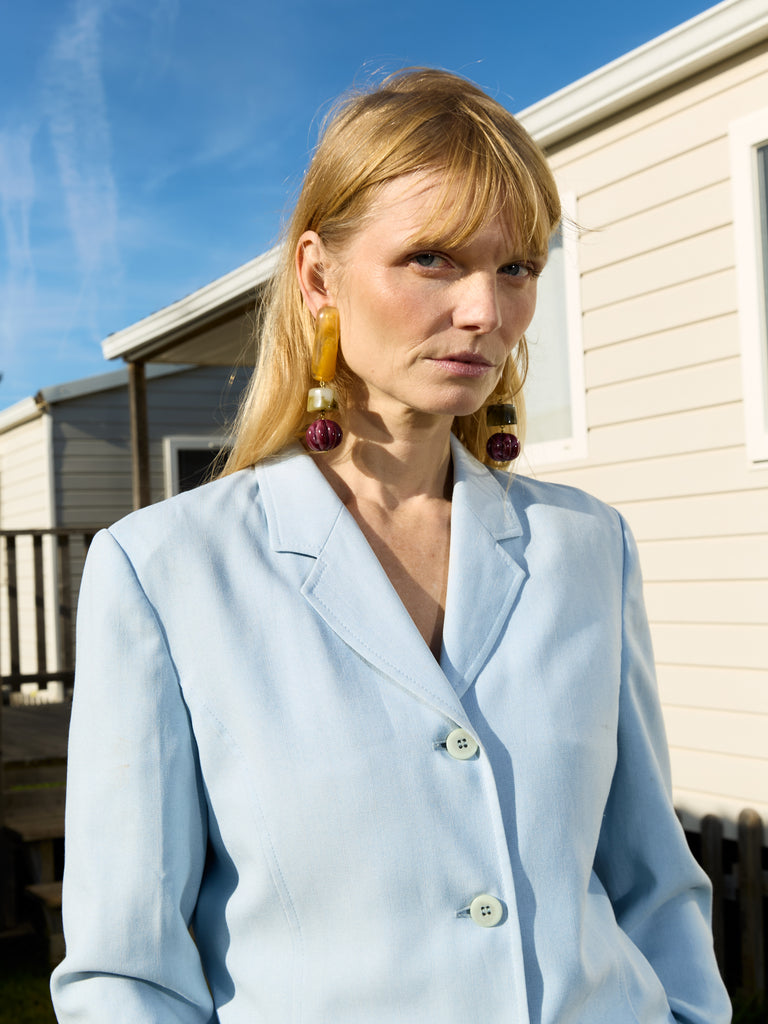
(486, 910)
(461, 745)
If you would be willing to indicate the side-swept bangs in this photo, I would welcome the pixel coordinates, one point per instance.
(418, 121)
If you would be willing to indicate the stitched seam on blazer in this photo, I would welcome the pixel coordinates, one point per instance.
(397, 673)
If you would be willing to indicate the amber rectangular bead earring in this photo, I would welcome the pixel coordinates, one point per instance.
(323, 434)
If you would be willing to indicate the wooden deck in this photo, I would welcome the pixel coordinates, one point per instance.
(34, 750)
(35, 733)
(34, 765)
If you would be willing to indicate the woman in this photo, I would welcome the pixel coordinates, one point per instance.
(372, 735)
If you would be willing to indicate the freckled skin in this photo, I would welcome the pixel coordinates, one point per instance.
(426, 330)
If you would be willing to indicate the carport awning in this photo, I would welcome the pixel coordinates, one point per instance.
(213, 326)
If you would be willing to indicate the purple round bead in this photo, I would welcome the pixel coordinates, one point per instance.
(323, 435)
(503, 447)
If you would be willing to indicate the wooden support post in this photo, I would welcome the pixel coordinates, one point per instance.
(42, 653)
(751, 902)
(66, 616)
(13, 604)
(712, 862)
(137, 396)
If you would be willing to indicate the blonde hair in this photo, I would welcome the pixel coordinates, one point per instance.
(416, 120)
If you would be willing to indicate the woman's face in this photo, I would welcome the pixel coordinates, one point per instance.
(425, 330)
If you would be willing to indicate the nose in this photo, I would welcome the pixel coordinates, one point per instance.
(477, 304)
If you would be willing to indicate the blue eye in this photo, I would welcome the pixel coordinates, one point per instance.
(428, 260)
(520, 270)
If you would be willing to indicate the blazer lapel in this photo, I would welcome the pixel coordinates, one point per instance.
(345, 583)
(483, 578)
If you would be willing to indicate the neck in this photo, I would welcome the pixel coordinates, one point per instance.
(393, 463)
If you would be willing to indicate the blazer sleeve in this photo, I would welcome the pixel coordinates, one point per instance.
(135, 820)
(661, 898)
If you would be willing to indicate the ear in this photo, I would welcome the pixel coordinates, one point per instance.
(312, 272)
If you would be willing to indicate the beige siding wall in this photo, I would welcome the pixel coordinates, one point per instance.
(666, 429)
(25, 503)
(24, 477)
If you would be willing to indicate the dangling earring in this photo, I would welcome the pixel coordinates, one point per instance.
(502, 446)
(323, 435)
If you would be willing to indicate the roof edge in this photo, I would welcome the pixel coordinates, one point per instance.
(209, 299)
(29, 408)
(20, 412)
(702, 41)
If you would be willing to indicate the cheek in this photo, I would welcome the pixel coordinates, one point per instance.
(520, 313)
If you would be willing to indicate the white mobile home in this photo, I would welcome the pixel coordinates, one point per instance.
(663, 159)
(65, 465)
(648, 382)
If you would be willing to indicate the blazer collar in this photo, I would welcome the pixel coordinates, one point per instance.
(349, 589)
(483, 577)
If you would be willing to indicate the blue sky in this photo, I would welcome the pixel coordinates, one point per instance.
(150, 146)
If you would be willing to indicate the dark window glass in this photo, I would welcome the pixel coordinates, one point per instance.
(195, 466)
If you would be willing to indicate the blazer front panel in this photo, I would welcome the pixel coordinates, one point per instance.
(253, 687)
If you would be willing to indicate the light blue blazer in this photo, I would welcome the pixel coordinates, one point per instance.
(266, 756)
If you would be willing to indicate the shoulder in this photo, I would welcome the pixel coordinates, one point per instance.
(526, 493)
(195, 512)
(576, 527)
(190, 509)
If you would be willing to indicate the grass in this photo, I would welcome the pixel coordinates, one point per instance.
(24, 978)
(749, 1011)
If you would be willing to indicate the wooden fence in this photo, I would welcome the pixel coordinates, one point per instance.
(47, 564)
(738, 870)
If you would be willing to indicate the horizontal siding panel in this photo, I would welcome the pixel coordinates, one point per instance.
(25, 512)
(94, 465)
(692, 302)
(710, 515)
(734, 602)
(646, 232)
(684, 99)
(104, 480)
(711, 687)
(110, 433)
(652, 186)
(98, 514)
(24, 482)
(691, 431)
(743, 779)
(720, 732)
(708, 558)
(687, 345)
(693, 387)
(728, 646)
(28, 476)
(16, 452)
(641, 143)
(667, 263)
(674, 476)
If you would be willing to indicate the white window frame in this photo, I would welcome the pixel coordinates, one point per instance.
(746, 136)
(171, 445)
(574, 447)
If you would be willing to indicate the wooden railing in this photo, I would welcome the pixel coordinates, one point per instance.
(51, 575)
(738, 870)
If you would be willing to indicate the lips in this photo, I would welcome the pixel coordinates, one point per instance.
(464, 364)
(467, 357)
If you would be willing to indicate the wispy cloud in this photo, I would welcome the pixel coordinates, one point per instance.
(76, 110)
(17, 193)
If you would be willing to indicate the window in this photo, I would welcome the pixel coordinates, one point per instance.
(188, 462)
(749, 177)
(554, 393)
